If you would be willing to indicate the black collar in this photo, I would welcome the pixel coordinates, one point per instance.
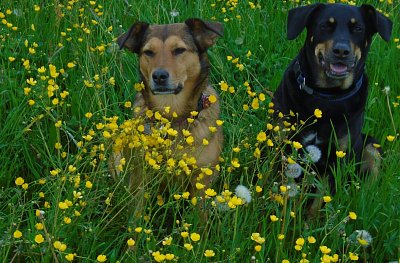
(301, 81)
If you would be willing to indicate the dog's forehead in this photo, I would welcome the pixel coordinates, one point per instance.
(340, 13)
(163, 32)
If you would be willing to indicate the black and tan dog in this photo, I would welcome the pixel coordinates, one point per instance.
(174, 68)
(329, 74)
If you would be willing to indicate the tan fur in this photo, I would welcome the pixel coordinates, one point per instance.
(322, 81)
(184, 70)
(371, 161)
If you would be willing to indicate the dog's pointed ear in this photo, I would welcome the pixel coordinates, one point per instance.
(380, 23)
(298, 19)
(205, 34)
(133, 40)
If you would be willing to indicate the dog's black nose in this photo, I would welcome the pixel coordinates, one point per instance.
(160, 76)
(341, 49)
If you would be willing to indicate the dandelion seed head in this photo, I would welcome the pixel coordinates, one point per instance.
(293, 170)
(313, 153)
(243, 193)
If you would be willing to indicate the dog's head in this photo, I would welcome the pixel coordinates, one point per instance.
(170, 55)
(338, 38)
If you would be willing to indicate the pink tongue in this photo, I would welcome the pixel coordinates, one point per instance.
(338, 68)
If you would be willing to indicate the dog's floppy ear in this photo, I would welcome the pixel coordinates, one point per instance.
(379, 22)
(204, 33)
(133, 40)
(298, 19)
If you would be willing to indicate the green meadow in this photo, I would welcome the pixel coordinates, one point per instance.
(67, 92)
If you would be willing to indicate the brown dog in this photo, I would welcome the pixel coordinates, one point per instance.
(174, 68)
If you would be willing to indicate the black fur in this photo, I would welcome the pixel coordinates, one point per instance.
(343, 29)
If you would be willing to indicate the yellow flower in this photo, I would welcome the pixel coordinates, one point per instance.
(273, 218)
(17, 234)
(210, 192)
(19, 181)
(188, 246)
(340, 154)
(257, 248)
(58, 146)
(311, 239)
(258, 189)
(353, 256)
(390, 138)
(195, 237)
(128, 104)
(300, 241)
(255, 104)
(199, 186)
(167, 241)
(71, 65)
(353, 215)
(130, 242)
(261, 136)
(169, 257)
(101, 258)
(325, 249)
(138, 229)
(184, 234)
(31, 81)
(318, 113)
(257, 238)
(298, 247)
(62, 205)
(39, 239)
(327, 199)
(39, 226)
(297, 145)
(212, 98)
(281, 236)
(67, 220)
(209, 253)
(70, 257)
(88, 184)
(31, 102)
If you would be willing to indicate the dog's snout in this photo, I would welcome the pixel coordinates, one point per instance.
(160, 76)
(341, 49)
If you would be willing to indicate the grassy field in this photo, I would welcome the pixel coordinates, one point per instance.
(66, 90)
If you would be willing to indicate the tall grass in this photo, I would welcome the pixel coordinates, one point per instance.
(58, 202)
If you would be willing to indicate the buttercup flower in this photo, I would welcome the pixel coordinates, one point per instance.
(17, 234)
(340, 154)
(352, 215)
(209, 253)
(101, 258)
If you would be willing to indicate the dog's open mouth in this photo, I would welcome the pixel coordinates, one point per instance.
(166, 89)
(336, 70)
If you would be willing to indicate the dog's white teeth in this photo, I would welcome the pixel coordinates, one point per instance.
(338, 68)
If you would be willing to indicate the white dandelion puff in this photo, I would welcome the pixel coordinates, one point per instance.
(174, 13)
(292, 189)
(360, 237)
(293, 170)
(243, 193)
(364, 238)
(313, 153)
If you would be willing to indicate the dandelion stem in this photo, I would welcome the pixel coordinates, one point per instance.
(390, 112)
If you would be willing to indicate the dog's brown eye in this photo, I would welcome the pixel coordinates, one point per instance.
(148, 53)
(178, 51)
